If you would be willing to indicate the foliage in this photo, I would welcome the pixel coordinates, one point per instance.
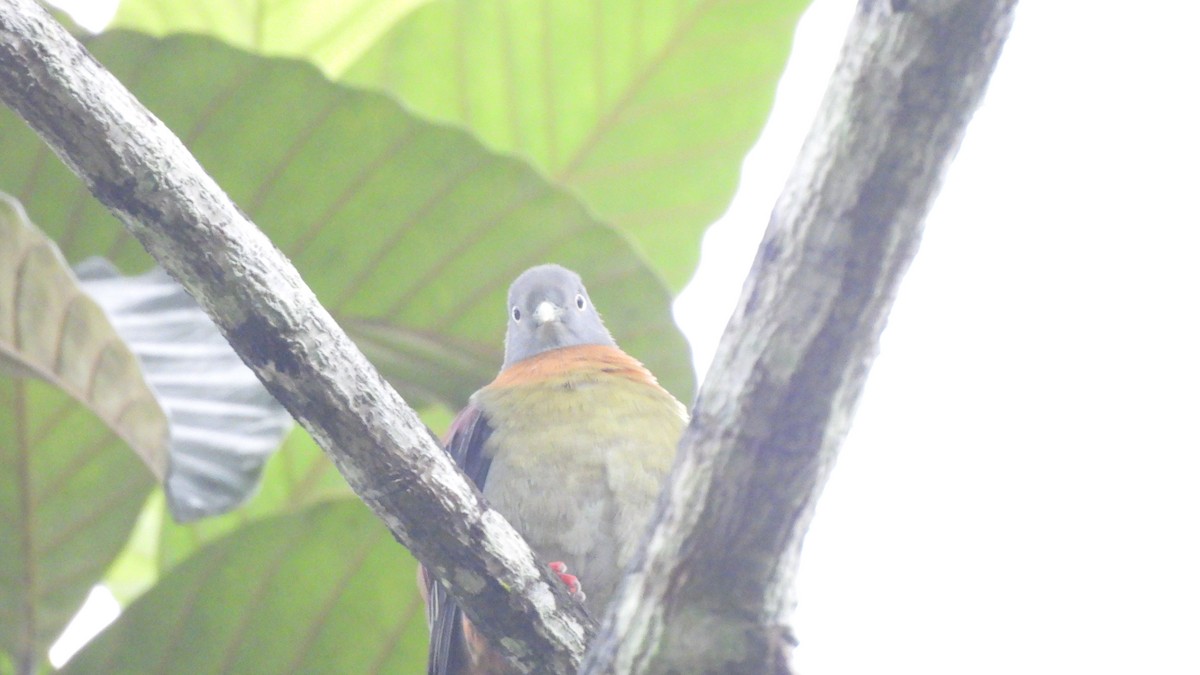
(411, 159)
(69, 489)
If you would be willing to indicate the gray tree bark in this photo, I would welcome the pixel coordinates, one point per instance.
(711, 591)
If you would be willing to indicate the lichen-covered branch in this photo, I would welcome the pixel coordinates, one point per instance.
(143, 173)
(712, 591)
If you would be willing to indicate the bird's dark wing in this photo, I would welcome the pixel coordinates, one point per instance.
(447, 649)
(468, 432)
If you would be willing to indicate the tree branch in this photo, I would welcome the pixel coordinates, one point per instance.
(712, 591)
(134, 165)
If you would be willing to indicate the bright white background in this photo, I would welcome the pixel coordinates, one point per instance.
(1019, 492)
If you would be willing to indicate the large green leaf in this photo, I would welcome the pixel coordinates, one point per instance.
(408, 231)
(330, 33)
(136, 568)
(71, 399)
(646, 109)
(322, 590)
(298, 476)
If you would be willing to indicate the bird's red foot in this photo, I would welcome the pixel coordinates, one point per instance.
(573, 586)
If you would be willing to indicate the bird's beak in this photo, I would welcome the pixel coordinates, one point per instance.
(546, 312)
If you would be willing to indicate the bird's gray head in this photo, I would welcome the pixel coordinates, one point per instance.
(548, 308)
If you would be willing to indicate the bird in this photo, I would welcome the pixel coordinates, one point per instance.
(571, 442)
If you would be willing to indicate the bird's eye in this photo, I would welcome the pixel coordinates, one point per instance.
(579, 302)
(516, 314)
